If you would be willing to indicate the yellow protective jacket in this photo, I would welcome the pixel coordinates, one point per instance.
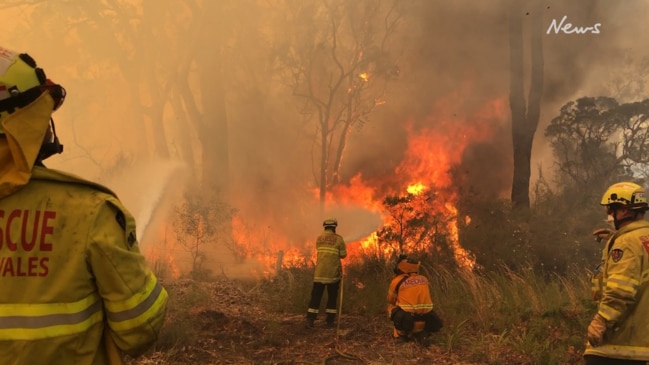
(410, 292)
(330, 248)
(624, 299)
(72, 280)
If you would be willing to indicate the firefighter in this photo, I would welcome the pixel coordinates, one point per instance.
(74, 286)
(410, 306)
(619, 331)
(328, 273)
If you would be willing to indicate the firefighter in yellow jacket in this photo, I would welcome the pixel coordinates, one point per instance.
(74, 288)
(331, 249)
(410, 305)
(619, 332)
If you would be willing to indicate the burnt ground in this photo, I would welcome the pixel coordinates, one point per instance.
(231, 327)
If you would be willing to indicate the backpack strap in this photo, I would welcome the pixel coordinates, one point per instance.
(610, 243)
(404, 278)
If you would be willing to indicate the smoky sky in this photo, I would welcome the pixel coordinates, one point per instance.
(453, 59)
(461, 48)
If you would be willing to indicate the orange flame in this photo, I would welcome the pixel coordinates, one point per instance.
(162, 262)
(416, 188)
(426, 165)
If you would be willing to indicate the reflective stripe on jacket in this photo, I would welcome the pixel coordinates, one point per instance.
(331, 248)
(69, 264)
(412, 295)
(625, 294)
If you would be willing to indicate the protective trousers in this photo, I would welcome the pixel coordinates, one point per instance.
(405, 321)
(316, 298)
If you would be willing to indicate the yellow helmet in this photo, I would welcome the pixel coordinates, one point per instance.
(330, 223)
(626, 194)
(21, 82)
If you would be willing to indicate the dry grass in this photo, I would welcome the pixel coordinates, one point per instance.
(503, 317)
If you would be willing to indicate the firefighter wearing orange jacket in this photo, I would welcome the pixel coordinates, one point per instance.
(74, 287)
(410, 305)
(619, 332)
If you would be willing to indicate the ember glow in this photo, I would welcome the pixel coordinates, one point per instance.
(269, 247)
(161, 260)
(415, 189)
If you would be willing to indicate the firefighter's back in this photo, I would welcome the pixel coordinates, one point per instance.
(53, 231)
(70, 265)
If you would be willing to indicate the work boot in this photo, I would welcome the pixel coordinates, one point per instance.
(331, 320)
(401, 339)
(423, 338)
(310, 322)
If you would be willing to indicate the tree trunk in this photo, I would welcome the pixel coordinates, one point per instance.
(536, 86)
(214, 143)
(525, 118)
(324, 153)
(342, 142)
(214, 123)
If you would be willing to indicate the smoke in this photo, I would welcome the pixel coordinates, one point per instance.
(463, 45)
(453, 59)
(149, 191)
(355, 222)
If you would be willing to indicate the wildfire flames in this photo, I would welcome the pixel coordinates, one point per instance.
(423, 178)
(425, 168)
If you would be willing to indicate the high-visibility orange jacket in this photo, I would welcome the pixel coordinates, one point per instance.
(412, 294)
(624, 302)
(72, 279)
(331, 248)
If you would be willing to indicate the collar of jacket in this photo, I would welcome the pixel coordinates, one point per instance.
(641, 223)
(44, 173)
(24, 132)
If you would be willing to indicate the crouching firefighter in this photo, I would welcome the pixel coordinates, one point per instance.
(410, 306)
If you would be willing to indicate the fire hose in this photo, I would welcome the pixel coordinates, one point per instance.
(340, 352)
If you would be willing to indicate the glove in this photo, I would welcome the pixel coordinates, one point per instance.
(596, 330)
(602, 234)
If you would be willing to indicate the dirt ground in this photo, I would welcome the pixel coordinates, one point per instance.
(234, 329)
